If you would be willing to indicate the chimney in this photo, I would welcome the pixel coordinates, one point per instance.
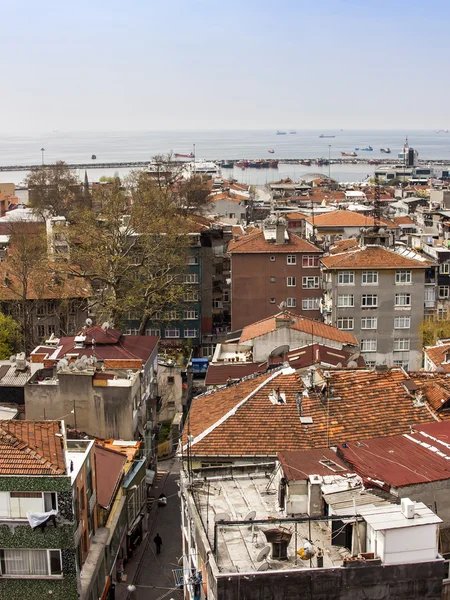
(280, 229)
(282, 322)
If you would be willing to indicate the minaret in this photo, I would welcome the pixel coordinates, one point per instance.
(86, 183)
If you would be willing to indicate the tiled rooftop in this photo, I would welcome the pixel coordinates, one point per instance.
(374, 257)
(437, 355)
(243, 419)
(256, 243)
(298, 323)
(347, 218)
(31, 448)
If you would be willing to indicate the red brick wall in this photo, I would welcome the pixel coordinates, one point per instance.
(251, 288)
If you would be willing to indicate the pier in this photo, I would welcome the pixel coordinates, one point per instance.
(228, 163)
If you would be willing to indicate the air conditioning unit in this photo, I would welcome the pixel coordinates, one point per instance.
(407, 508)
(21, 362)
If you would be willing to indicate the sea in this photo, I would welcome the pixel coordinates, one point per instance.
(130, 146)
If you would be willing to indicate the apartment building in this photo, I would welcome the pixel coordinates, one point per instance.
(273, 268)
(380, 295)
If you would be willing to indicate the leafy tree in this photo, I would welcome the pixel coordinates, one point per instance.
(434, 329)
(133, 245)
(10, 337)
(24, 275)
(54, 189)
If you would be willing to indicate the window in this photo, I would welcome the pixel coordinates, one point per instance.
(190, 333)
(191, 296)
(346, 278)
(171, 379)
(191, 278)
(292, 281)
(41, 331)
(291, 302)
(152, 331)
(368, 345)
(291, 259)
(22, 502)
(272, 258)
(443, 291)
(369, 301)
(272, 301)
(369, 322)
(346, 300)
(40, 310)
(345, 323)
(402, 299)
(309, 262)
(50, 500)
(402, 322)
(192, 260)
(19, 562)
(310, 304)
(442, 314)
(171, 315)
(444, 269)
(226, 295)
(401, 344)
(370, 363)
(273, 279)
(190, 315)
(172, 333)
(131, 331)
(50, 307)
(310, 282)
(369, 278)
(401, 363)
(402, 277)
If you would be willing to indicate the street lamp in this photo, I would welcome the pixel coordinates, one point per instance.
(42, 151)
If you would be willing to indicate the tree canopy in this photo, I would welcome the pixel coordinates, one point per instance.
(10, 337)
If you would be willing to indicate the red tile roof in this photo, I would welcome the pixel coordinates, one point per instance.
(31, 448)
(343, 245)
(256, 243)
(347, 218)
(437, 355)
(109, 468)
(374, 257)
(403, 220)
(220, 374)
(242, 420)
(298, 323)
(300, 464)
(404, 459)
(319, 353)
(294, 216)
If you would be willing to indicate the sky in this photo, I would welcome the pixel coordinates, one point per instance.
(212, 64)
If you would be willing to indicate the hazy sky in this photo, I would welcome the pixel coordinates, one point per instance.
(224, 64)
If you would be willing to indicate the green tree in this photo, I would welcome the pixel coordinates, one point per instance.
(434, 329)
(10, 337)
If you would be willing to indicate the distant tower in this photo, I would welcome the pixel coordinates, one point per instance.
(86, 183)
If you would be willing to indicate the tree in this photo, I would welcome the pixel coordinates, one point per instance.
(133, 246)
(10, 337)
(434, 329)
(53, 189)
(24, 274)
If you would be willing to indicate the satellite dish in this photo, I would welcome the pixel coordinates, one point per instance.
(282, 305)
(339, 365)
(72, 366)
(221, 517)
(79, 365)
(250, 516)
(279, 351)
(263, 567)
(105, 326)
(89, 322)
(264, 553)
(12, 359)
(440, 369)
(352, 364)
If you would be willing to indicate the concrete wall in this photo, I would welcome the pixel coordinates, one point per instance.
(171, 393)
(418, 581)
(434, 494)
(385, 312)
(104, 412)
(252, 288)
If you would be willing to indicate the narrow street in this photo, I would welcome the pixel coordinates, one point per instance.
(151, 573)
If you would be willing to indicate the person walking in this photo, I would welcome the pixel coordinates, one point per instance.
(158, 542)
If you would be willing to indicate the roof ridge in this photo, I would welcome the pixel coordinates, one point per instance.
(231, 412)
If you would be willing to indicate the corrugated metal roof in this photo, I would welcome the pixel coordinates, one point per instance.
(343, 503)
(403, 459)
(298, 465)
(393, 518)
